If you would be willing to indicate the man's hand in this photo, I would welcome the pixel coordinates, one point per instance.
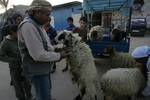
(58, 49)
(65, 52)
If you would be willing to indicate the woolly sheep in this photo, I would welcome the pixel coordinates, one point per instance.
(96, 33)
(123, 82)
(118, 35)
(122, 60)
(82, 67)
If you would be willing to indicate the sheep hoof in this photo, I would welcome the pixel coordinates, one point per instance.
(78, 97)
(96, 97)
(129, 98)
(65, 69)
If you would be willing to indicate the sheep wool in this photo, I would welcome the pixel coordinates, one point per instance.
(122, 60)
(83, 68)
(98, 35)
(123, 82)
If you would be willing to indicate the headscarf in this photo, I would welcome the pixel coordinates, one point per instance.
(140, 52)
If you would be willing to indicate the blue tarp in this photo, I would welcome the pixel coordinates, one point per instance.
(106, 5)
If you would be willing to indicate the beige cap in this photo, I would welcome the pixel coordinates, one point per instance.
(37, 4)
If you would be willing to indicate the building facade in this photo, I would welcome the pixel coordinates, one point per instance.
(62, 12)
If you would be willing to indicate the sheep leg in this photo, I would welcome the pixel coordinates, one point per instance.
(66, 68)
(83, 91)
(78, 97)
(129, 98)
(96, 97)
(134, 97)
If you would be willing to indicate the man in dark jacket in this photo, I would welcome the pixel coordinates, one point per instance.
(52, 33)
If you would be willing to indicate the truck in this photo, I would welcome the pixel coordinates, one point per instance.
(108, 14)
(138, 26)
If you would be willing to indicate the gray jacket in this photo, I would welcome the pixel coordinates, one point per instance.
(36, 50)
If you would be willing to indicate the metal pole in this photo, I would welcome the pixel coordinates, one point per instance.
(130, 16)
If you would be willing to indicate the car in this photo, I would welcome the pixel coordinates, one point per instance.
(138, 26)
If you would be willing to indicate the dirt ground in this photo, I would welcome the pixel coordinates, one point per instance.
(62, 87)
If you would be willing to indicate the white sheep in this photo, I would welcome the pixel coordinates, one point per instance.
(120, 60)
(82, 67)
(96, 33)
(123, 82)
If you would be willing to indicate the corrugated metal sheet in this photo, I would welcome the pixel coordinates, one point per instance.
(104, 5)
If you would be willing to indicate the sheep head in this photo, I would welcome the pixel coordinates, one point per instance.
(96, 33)
(68, 38)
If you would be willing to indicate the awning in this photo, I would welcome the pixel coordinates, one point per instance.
(106, 5)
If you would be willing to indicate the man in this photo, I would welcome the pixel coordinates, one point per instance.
(142, 55)
(52, 33)
(71, 26)
(36, 50)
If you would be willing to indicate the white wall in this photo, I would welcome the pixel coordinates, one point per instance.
(76, 18)
(52, 21)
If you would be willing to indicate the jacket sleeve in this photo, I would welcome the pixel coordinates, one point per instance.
(34, 44)
(4, 53)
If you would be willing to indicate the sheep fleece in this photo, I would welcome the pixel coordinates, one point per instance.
(82, 63)
(122, 60)
(122, 81)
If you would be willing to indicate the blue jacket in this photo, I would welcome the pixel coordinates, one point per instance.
(70, 28)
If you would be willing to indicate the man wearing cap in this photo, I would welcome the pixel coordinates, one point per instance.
(142, 55)
(38, 55)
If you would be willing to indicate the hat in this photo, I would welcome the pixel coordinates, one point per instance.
(140, 52)
(36, 4)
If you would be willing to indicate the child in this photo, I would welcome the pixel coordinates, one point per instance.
(9, 52)
(82, 29)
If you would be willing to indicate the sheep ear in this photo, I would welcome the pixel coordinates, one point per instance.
(60, 36)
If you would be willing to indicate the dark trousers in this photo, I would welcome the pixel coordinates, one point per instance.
(42, 85)
(21, 84)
